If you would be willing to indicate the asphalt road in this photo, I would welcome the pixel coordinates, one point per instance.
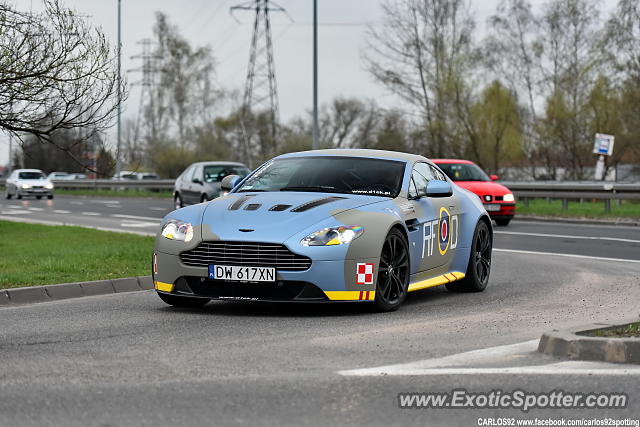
(127, 359)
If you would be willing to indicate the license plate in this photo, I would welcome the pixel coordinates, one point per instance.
(492, 208)
(242, 274)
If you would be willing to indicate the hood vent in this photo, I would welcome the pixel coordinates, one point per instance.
(279, 208)
(238, 203)
(315, 203)
(252, 207)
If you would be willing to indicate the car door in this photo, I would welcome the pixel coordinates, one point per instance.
(434, 229)
(193, 184)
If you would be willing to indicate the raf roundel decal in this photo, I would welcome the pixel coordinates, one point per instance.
(364, 274)
(443, 231)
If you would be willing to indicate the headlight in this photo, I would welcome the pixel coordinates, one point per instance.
(49, 186)
(25, 186)
(508, 197)
(178, 230)
(333, 236)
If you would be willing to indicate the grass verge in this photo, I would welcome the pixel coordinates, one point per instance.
(33, 254)
(631, 330)
(586, 209)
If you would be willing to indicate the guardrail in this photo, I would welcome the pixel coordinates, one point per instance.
(91, 184)
(524, 191)
(576, 191)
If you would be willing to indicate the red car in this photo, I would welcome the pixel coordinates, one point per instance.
(497, 199)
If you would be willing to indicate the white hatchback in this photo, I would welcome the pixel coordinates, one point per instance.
(28, 182)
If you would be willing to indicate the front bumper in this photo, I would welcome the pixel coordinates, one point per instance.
(34, 192)
(507, 210)
(323, 281)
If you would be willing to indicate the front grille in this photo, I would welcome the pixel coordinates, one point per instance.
(245, 254)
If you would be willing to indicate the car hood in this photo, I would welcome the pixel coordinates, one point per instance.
(264, 217)
(482, 188)
(33, 181)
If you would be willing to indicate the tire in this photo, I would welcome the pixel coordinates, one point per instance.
(7, 195)
(479, 268)
(38, 197)
(204, 198)
(503, 222)
(177, 201)
(393, 272)
(50, 196)
(18, 196)
(178, 301)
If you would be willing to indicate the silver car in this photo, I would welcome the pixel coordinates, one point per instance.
(200, 182)
(28, 182)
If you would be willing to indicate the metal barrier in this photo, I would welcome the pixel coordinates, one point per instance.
(123, 184)
(580, 191)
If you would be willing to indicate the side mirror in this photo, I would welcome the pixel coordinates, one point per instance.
(196, 181)
(229, 181)
(438, 188)
(494, 177)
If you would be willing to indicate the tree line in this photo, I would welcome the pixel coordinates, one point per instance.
(530, 90)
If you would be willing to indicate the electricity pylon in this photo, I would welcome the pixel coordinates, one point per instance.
(260, 91)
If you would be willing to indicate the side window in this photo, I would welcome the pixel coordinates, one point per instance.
(419, 181)
(197, 173)
(437, 173)
(186, 175)
(425, 170)
(413, 192)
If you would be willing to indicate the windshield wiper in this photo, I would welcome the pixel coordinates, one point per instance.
(250, 191)
(314, 188)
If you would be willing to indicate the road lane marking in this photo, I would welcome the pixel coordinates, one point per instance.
(108, 202)
(76, 203)
(15, 206)
(90, 213)
(137, 224)
(44, 222)
(470, 363)
(113, 206)
(153, 208)
(15, 212)
(61, 211)
(36, 209)
(566, 236)
(143, 218)
(517, 251)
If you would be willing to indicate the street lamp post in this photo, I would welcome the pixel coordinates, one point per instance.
(315, 75)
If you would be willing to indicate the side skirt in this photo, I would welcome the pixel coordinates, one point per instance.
(436, 281)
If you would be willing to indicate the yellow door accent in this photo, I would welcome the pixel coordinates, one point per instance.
(351, 295)
(436, 281)
(164, 287)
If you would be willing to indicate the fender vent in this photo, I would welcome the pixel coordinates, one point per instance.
(238, 203)
(252, 207)
(279, 208)
(315, 203)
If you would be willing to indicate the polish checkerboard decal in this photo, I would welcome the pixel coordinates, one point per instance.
(364, 274)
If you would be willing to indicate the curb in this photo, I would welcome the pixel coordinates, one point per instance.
(591, 221)
(46, 293)
(573, 345)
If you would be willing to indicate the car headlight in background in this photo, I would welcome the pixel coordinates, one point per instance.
(178, 230)
(49, 186)
(508, 197)
(25, 186)
(333, 236)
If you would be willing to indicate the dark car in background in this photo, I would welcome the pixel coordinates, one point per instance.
(200, 182)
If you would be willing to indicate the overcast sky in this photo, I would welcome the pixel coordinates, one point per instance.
(341, 39)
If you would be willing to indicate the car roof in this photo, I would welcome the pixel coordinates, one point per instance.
(218, 164)
(359, 152)
(467, 162)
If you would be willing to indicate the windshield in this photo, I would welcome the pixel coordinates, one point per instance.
(215, 173)
(463, 172)
(31, 175)
(330, 174)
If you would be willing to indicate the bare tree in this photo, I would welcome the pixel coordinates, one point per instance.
(56, 73)
(422, 53)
